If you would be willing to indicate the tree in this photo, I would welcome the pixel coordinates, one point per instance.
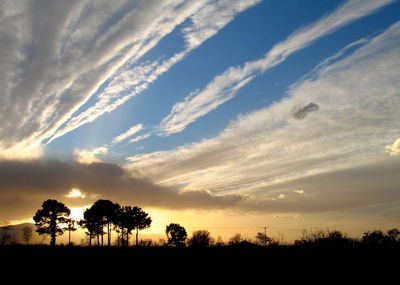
(236, 239)
(90, 222)
(48, 219)
(176, 235)
(374, 238)
(201, 238)
(106, 213)
(130, 218)
(263, 239)
(70, 228)
(126, 222)
(27, 233)
(5, 228)
(143, 221)
(394, 235)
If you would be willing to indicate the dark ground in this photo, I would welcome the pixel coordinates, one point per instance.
(286, 261)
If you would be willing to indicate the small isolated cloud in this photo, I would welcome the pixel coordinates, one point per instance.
(299, 191)
(393, 149)
(301, 113)
(282, 196)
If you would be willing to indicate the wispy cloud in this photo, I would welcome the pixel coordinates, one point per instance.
(129, 82)
(139, 138)
(264, 151)
(211, 18)
(56, 54)
(225, 86)
(135, 129)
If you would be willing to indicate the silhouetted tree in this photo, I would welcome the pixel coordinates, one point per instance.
(48, 218)
(106, 212)
(4, 229)
(126, 222)
(91, 223)
(143, 221)
(219, 241)
(394, 235)
(200, 238)
(176, 235)
(27, 234)
(263, 239)
(236, 239)
(130, 218)
(70, 228)
(324, 238)
(374, 237)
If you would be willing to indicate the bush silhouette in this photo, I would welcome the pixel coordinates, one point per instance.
(200, 238)
(176, 235)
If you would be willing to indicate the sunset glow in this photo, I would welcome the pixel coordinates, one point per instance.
(77, 213)
(223, 115)
(75, 193)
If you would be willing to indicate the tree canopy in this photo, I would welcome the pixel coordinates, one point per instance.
(176, 235)
(49, 218)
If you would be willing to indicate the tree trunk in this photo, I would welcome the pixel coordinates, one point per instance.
(137, 237)
(53, 227)
(109, 234)
(53, 239)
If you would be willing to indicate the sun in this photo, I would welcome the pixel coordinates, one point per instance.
(77, 213)
(75, 193)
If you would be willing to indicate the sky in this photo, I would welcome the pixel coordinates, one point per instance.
(227, 115)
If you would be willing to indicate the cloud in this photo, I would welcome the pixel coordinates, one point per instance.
(128, 82)
(301, 113)
(262, 149)
(89, 156)
(393, 149)
(55, 56)
(139, 138)
(282, 196)
(211, 18)
(133, 130)
(25, 185)
(225, 86)
(362, 186)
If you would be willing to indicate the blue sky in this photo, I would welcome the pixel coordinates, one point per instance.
(246, 37)
(255, 106)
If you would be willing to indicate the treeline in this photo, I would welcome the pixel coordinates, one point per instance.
(105, 218)
(101, 219)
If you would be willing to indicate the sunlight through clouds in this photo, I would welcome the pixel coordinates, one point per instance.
(244, 110)
(89, 156)
(393, 149)
(75, 193)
